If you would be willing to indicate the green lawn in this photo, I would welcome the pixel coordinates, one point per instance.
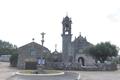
(34, 71)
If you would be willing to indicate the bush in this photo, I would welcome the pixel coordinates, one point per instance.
(13, 60)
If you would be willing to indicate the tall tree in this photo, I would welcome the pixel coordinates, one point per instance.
(6, 48)
(103, 50)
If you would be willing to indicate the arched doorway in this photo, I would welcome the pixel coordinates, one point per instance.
(81, 61)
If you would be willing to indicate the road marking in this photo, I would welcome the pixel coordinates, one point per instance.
(78, 78)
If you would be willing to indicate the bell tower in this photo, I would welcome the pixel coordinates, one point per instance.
(66, 39)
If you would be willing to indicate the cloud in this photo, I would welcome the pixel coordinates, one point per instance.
(112, 18)
(115, 17)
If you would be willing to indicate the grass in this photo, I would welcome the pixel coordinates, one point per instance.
(34, 71)
(27, 71)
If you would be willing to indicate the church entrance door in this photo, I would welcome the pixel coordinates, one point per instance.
(81, 61)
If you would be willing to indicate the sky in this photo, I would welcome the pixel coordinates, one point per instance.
(22, 20)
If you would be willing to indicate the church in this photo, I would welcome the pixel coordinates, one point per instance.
(74, 51)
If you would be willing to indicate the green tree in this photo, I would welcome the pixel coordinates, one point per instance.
(6, 48)
(103, 50)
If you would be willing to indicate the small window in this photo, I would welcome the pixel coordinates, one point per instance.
(32, 51)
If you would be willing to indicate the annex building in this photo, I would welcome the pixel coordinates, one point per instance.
(29, 54)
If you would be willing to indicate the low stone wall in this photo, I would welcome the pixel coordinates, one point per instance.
(107, 67)
(77, 66)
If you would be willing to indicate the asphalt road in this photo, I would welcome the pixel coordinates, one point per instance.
(66, 76)
(6, 73)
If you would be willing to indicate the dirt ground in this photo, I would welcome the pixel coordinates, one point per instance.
(6, 72)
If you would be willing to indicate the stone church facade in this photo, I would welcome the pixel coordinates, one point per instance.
(74, 51)
(29, 54)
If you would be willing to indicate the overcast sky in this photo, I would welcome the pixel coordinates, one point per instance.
(22, 20)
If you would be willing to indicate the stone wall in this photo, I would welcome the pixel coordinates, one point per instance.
(88, 60)
(77, 66)
(107, 67)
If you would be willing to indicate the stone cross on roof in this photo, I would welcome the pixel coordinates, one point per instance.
(33, 39)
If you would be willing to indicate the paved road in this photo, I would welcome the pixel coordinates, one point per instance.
(100, 75)
(6, 71)
(66, 76)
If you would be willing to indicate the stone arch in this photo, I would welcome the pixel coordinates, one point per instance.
(81, 60)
